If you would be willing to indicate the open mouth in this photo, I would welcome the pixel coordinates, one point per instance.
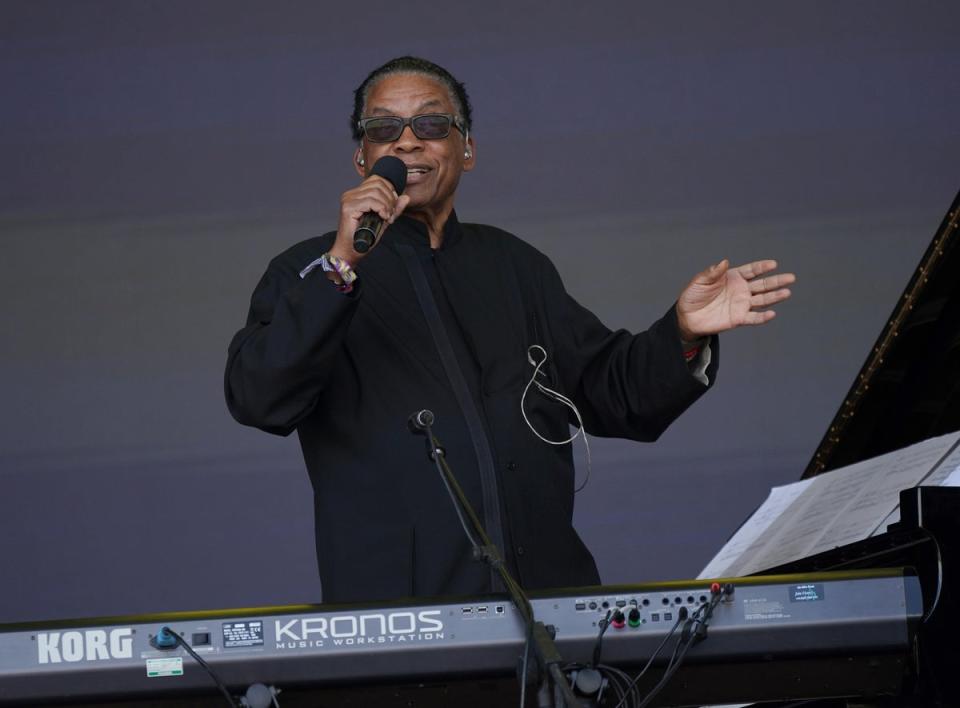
(417, 174)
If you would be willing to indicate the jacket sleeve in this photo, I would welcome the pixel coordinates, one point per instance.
(279, 363)
(625, 385)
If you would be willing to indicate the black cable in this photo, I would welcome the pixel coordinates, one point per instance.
(181, 642)
(630, 690)
(618, 688)
(679, 654)
(653, 656)
(598, 645)
(675, 661)
(616, 676)
(695, 624)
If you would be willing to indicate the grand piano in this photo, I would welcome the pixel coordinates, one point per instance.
(908, 390)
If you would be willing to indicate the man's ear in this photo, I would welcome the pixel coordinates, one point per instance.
(359, 164)
(469, 153)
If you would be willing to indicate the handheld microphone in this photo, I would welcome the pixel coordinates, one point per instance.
(394, 171)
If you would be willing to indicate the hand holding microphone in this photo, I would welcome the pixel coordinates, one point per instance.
(366, 209)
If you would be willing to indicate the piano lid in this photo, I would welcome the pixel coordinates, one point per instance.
(909, 387)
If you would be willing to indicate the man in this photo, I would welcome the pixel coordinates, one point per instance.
(343, 346)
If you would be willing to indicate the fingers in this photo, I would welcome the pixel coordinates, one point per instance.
(722, 298)
(759, 318)
(373, 194)
(718, 269)
(756, 269)
(771, 282)
(713, 273)
(401, 204)
(770, 298)
(765, 291)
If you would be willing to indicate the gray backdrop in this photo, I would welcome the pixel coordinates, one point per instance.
(155, 155)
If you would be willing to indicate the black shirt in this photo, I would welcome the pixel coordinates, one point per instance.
(347, 371)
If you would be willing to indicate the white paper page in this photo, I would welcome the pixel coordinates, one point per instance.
(795, 532)
(879, 494)
(946, 474)
(780, 498)
(833, 509)
(953, 480)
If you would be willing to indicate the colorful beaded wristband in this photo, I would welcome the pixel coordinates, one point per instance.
(337, 265)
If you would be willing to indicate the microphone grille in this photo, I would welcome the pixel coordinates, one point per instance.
(393, 170)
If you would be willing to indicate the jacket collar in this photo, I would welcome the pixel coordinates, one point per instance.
(406, 229)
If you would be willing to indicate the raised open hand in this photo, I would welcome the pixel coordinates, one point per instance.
(722, 298)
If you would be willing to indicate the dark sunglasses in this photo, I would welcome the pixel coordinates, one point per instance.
(429, 126)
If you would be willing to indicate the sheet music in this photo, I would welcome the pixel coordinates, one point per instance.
(946, 474)
(880, 494)
(748, 535)
(833, 509)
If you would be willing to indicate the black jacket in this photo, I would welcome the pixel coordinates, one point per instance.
(346, 371)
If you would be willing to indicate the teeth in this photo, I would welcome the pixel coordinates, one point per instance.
(416, 171)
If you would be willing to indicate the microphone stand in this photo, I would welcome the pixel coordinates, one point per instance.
(538, 635)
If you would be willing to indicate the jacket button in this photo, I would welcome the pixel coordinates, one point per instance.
(519, 550)
(512, 466)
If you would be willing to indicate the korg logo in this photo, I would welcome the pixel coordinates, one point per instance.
(89, 645)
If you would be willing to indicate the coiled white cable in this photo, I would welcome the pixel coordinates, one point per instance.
(559, 398)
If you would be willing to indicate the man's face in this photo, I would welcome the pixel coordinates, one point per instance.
(433, 166)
